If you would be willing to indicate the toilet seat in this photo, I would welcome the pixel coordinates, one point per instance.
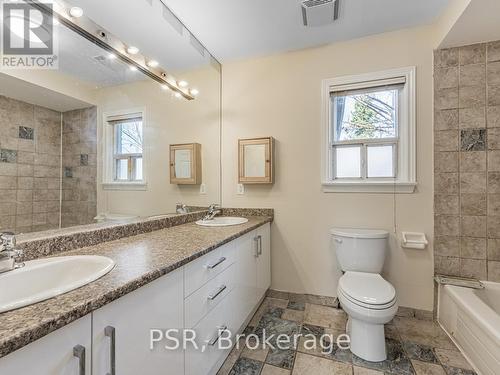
(367, 290)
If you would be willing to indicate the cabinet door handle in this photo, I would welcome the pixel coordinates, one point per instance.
(79, 352)
(214, 295)
(256, 240)
(111, 333)
(212, 266)
(260, 245)
(220, 331)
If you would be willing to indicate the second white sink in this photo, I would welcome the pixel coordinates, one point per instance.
(42, 279)
(222, 221)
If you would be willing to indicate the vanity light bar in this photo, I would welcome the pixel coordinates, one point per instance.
(91, 31)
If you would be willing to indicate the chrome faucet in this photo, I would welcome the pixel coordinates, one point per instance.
(181, 208)
(8, 253)
(213, 210)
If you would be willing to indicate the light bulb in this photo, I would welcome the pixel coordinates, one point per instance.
(152, 63)
(76, 12)
(183, 84)
(133, 50)
(133, 68)
(165, 87)
(111, 56)
(178, 95)
(194, 92)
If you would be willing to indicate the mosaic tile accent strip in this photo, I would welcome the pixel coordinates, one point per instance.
(8, 156)
(84, 160)
(26, 133)
(473, 140)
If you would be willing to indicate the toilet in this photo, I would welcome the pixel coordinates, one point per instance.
(368, 299)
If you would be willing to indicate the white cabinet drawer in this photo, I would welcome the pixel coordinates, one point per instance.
(199, 271)
(208, 361)
(205, 299)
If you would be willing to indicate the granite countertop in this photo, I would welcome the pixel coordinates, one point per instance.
(139, 260)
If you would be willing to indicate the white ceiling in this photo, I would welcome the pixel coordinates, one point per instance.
(27, 92)
(480, 22)
(235, 29)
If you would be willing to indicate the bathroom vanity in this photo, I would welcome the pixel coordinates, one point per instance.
(187, 276)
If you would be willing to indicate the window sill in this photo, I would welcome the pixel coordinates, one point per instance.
(382, 187)
(131, 186)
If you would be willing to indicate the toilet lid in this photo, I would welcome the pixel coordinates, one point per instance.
(368, 288)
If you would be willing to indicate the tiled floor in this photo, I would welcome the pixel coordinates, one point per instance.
(414, 346)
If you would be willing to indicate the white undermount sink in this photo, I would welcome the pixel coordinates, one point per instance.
(42, 279)
(222, 221)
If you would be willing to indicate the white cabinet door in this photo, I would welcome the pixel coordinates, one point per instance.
(158, 305)
(264, 260)
(54, 354)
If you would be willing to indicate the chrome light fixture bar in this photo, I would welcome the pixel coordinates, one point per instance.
(93, 32)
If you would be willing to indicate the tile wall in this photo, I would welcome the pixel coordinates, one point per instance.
(30, 167)
(467, 161)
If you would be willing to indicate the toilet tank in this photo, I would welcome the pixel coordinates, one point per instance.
(360, 250)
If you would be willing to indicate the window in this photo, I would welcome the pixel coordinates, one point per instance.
(124, 150)
(370, 132)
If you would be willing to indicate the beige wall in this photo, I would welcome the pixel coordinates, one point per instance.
(280, 96)
(168, 120)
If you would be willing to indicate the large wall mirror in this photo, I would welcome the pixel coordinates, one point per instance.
(89, 142)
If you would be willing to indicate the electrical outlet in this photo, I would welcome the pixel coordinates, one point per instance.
(240, 189)
(203, 189)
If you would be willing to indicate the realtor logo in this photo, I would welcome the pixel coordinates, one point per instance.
(28, 35)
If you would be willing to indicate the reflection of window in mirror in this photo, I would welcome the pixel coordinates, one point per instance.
(124, 148)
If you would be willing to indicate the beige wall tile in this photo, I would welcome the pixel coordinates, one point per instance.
(446, 140)
(446, 161)
(447, 183)
(494, 95)
(472, 117)
(446, 78)
(472, 96)
(25, 195)
(473, 161)
(25, 183)
(474, 248)
(8, 169)
(447, 225)
(473, 204)
(446, 205)
(493, 73)
(473, 182)
(493, 226)
(446, 99)
(8, 182)
(447, 57)
(493, 117)
(494, 161)
(494, 139)
(25, 170)
(448, 246)
(473, 54)
(473, 75)
(494, 249)
(494, 271)
(493, 182)
(446, 119)
(8, 195)
(494, 204)
(473, 268)
(473, 226)
(493, 51)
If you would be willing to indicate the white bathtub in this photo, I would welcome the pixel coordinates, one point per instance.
(472, 318)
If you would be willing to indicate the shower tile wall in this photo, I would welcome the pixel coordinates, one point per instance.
(79, 194)
(30, 146)
(467, 161)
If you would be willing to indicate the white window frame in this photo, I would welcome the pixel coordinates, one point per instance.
(405, 181)
(109, 159)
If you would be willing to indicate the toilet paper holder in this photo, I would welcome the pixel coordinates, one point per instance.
(414, 240)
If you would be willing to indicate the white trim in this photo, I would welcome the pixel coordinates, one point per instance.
(387, 187)
(132, 186)
(108, 182)
(407, 158)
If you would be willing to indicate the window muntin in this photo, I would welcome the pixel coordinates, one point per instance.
(128, 142)
(368, 121)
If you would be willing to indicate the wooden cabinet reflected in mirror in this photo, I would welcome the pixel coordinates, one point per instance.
(185, 164)
(256, 161)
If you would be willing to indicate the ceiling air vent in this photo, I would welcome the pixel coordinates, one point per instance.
(320, 12)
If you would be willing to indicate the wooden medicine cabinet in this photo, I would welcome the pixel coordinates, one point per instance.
(256, 161)
(185, 164)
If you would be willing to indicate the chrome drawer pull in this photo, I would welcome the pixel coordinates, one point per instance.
(256, 240)
(79, 352)
(212, 266)
(221, 330)
(260, 245)
(111, 333)
(213, 296)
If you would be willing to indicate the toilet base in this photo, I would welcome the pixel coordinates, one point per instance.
(367, 340)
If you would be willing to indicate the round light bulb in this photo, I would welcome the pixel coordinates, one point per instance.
(194, 92)
(111, 56)
(165, 87)
(133, 68)
(76, 12)
(152, 63)
(183, 84)
(133, 50)
(178, 95)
